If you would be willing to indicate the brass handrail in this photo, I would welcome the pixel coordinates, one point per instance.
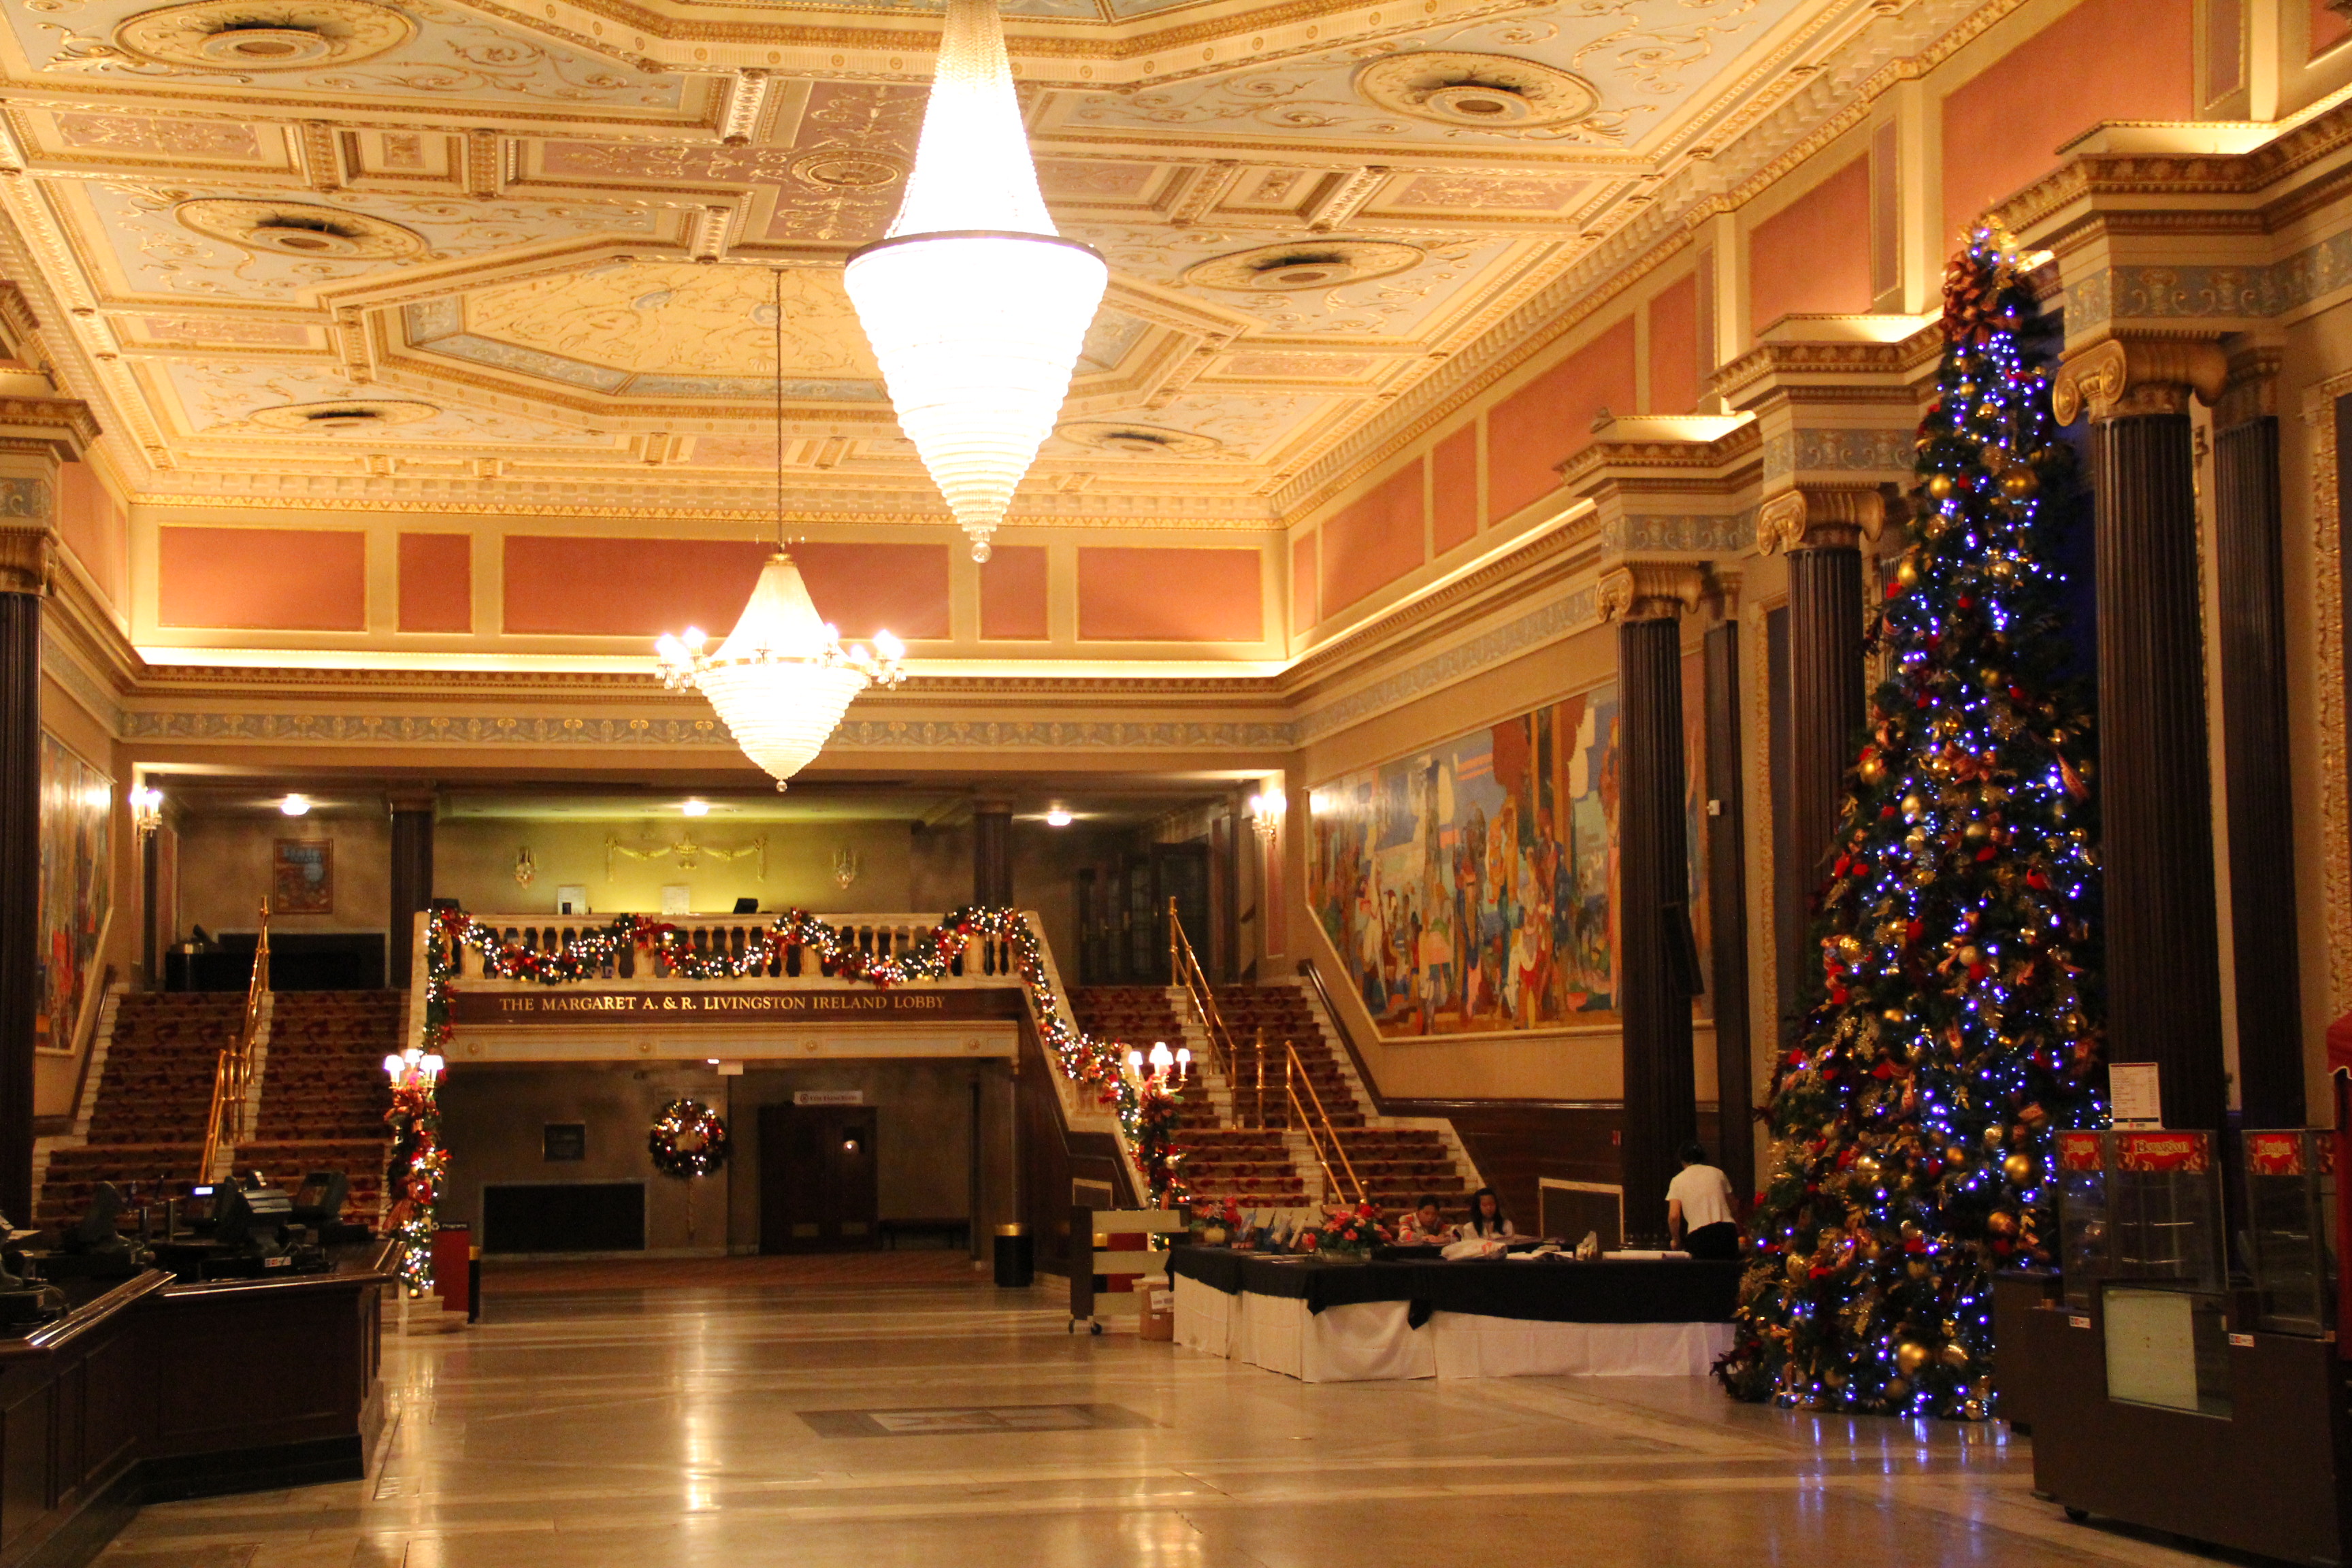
(1185, 972)
(225, 1124)
(1294, 1073)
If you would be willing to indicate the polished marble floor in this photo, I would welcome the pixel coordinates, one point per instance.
(947, 1424)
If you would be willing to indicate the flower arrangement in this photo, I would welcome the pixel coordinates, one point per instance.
(1214, 1226)
(1345, 1235)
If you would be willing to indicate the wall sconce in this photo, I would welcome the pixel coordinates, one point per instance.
(1265, 812)
(526, 868)
(850, 1144)
(844, 868)
(146, 810)
(414, 1066)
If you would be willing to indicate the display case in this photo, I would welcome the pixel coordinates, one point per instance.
(2291, 1229)
(2081, 1214)
(2164, 1210)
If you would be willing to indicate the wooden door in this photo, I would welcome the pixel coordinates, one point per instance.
(817, 1186)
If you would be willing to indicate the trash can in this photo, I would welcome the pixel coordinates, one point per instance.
(1016, 1258)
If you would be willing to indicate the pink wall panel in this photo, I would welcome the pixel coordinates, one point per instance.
(1674, 349)
(1373, 541)
(865, 588)
(265, 579)
(1453, 486)
(626, 587)
(1012, 593)
(1169, 595)
(2106, 59)
(94, 528)
(436, 582)
(2328, 26)
(1549, 420)
(1306, 604)
(1813, 255)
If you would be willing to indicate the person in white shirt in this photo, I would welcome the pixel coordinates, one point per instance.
(1699, 1214)
(1486, 1221)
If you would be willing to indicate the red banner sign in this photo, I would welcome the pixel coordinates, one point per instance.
(2190, 1154)
(2275, 1153)
(2078, 1152)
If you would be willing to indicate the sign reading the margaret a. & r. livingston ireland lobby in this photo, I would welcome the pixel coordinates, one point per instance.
(576, 1006)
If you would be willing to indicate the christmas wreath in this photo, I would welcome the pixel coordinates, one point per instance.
(688, 1140)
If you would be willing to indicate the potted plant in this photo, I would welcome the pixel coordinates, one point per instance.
(1345, 1235)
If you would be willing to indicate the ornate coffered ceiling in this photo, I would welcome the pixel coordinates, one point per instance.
(344, 247)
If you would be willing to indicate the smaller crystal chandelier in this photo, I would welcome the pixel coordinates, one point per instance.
(782, 679)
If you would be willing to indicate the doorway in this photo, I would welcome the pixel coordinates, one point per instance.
(817, 1189)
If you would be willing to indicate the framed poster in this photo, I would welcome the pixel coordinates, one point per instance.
(302, 877)
(77, 816)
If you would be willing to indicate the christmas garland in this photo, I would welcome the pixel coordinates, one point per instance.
(1146, 1109)
(412, 1177)
(688, 1140)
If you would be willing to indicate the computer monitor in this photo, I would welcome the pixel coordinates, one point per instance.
(320, 1199)
(198, 1208)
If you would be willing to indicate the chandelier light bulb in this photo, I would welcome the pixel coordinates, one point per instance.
(782, 681)
(975, 307)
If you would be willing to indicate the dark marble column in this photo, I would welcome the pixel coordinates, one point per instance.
(991, 854)
(1653, 959)
(2155, 787)
(25, 558)
(1727, 870)
(1822, 530)
(2256, 752)
(412, 879)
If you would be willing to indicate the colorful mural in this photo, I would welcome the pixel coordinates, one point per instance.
(77, 818)
(1467, 888)
(1470, 888)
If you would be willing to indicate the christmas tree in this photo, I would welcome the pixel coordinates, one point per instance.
(1953, 1027)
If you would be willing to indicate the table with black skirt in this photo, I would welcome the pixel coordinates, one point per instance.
(1344, 1322)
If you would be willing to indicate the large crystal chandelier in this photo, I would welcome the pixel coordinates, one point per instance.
(975, 308)
(782, 679)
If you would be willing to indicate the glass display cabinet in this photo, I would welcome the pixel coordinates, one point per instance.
(2291, 1229)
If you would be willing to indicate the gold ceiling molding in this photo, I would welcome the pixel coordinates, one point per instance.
(263, 35)
(305, 230)
(1454, 87)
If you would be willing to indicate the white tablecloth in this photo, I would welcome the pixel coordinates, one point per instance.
(1372, 1341)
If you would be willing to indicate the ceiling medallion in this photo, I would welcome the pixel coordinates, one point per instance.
(1306, 264)
(263, 35)
(1457, 87)
(350, 414)
(839, 169)
(299, 229)
(1136, 440)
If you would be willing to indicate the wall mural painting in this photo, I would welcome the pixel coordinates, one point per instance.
(1469, 889)
(76, 822)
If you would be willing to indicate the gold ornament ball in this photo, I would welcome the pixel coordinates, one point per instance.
(1912, 807)
(1939, 486)
(2017, 1168)
(1955, 1355)
(1873, 771)
(2002, 569)
(1909, 1357)
(2001, 1222)
(1956, 1154)
(1906, 573)
(1974, 1410)
(1968, 955)
(1995, 1136)
(2018, 483)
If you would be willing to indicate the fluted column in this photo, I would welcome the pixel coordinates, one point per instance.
(2163, 948)
(26, 552)
(1822, 527)
(2248, 572)
(413, 814)
(1653, 980)
(991, 854)
(1727, 868)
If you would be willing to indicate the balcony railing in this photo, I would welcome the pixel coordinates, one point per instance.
(982, 961)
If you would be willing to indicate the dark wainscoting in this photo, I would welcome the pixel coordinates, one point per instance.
(1051, 1160)
(154, 1390)
(1516, 1144)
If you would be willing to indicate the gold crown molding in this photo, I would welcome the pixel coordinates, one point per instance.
(526, 508)
(1652, 590)
(1719, 464)
(389, 113)
(1824, 517)
(1810, 370)
(29, 541)
(2087, 176)
(2122, 377)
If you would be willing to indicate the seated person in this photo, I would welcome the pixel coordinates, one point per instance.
(1698, 1209)
(1422, 1225)
(1486, 1222)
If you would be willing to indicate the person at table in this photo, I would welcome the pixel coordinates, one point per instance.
(1421, 1226)
(1486, 1222)
(1698, 1209)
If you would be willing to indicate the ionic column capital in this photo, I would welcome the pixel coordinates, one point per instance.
(28, 534)
(2123, 376)
(1820, 517)
(1652, 590)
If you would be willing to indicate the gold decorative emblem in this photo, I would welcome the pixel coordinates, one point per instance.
(1308, 264)
(840, 169)
(350, 414)
(1459, 88)
(301, 229)
(263, 35)
(1136, 440)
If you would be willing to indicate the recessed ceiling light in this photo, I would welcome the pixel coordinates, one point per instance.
(295, 806)
(1058, 817)
(696, 808)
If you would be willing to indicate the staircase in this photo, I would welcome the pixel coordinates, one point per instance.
(148, 1091)
(324, 1095)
